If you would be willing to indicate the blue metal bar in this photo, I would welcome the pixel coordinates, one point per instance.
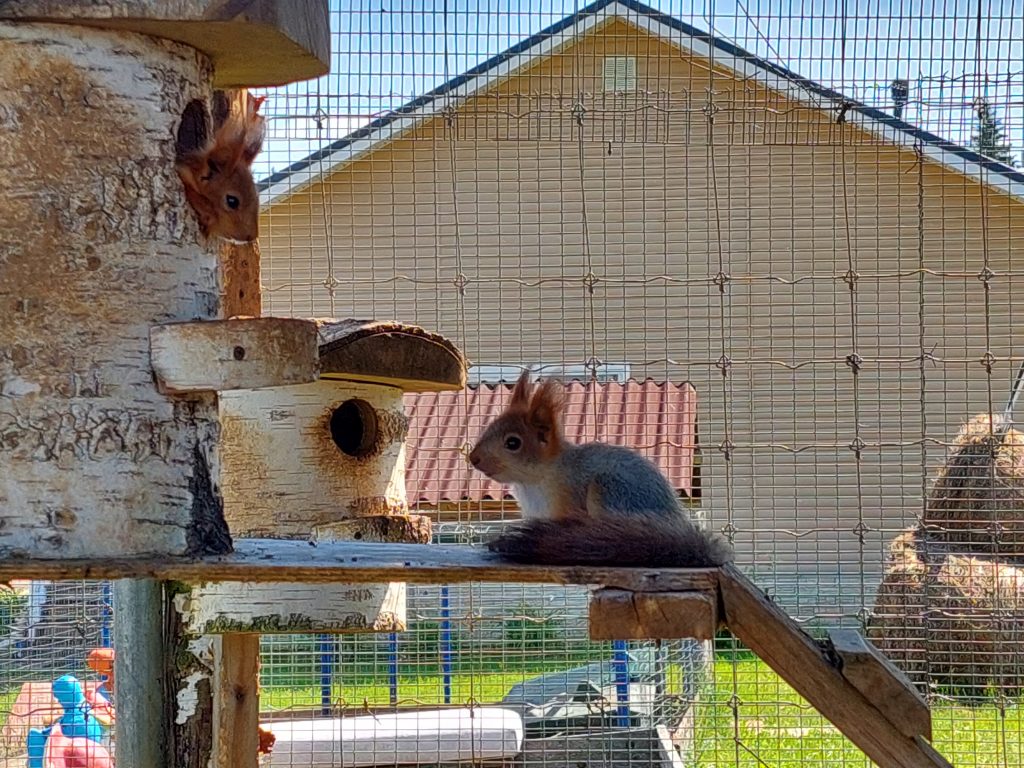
(393, 667)
(326, 672)
(446, 646)
(620, 663)
(108, 613)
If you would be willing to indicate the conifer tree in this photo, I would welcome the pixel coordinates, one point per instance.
(990, 138)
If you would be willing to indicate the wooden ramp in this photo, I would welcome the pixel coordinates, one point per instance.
(832, 678)
(845, 678)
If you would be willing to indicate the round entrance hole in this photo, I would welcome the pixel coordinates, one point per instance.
(354, 427)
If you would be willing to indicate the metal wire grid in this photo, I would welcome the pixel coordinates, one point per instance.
(841, 306)
(47, 630)
(484, 646)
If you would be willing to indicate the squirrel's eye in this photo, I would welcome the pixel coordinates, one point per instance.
(513, 443)
(232, 202)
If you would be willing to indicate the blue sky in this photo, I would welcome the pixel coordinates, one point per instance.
(385, 52)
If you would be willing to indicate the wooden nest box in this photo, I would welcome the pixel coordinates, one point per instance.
(328, 457)
(324, 461)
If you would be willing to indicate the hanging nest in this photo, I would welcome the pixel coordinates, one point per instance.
(977, 501)
(953, 620)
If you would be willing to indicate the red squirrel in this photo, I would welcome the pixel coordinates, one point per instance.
(590, 504)
(218, 173)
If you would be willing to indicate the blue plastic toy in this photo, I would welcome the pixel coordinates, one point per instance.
(76, 722)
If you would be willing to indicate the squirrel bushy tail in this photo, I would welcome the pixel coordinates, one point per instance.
(639, 539)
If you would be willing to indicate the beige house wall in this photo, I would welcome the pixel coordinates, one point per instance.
(653, 201)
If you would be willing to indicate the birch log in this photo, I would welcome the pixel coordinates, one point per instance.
(97, 245)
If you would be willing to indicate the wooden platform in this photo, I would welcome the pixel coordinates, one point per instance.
(353, 562)
(844, 678)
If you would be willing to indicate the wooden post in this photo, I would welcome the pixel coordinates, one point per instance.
(139, 674)
(236, 705)
(232, 708)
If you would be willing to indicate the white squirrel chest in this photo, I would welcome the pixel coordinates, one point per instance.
(534, 502)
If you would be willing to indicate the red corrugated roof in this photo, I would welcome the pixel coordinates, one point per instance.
(659, 420)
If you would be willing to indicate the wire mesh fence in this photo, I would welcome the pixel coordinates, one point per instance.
(49, 631)
(808, 213)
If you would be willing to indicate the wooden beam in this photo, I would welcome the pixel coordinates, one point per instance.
(780, 642)
(252, 43)
(882, 683)
(616, 614)
(353, 562)
(236, 703)
(219, 355)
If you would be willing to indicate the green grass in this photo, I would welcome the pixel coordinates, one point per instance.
(7, 699)
(775, 727)
(426, 690)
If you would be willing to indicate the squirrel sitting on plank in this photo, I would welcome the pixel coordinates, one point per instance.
(590, 504)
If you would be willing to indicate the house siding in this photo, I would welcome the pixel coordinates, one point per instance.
(774, 196)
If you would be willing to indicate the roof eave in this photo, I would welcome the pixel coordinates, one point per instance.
(719, 52)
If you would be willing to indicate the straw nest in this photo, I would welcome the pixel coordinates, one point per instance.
(977, 500)
(951, 619)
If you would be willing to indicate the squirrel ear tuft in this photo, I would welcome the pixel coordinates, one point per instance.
(521, 393)
(546, 408)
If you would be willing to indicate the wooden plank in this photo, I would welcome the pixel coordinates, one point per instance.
(139, 673)
(255, 43)
(764, 628)
(617, 614)
(219, 355)
(236, 702)
(882, 683)
(358, 562)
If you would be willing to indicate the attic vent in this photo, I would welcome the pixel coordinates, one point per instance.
(620, 73)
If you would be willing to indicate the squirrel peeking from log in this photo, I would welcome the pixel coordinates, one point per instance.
(214, 163)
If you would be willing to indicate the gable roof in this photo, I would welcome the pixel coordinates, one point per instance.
(724, 53)
(657, 419)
